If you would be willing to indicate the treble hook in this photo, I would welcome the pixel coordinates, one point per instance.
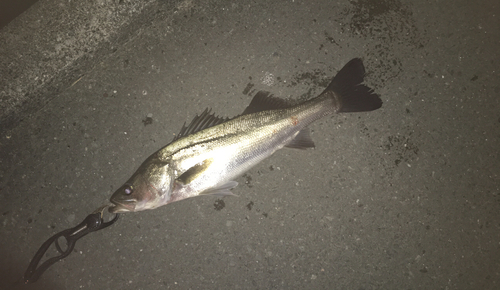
(93, 222)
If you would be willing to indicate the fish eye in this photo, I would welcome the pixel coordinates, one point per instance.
(128, 189)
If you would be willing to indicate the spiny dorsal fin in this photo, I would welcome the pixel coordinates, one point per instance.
(201, 122)
(263, 101)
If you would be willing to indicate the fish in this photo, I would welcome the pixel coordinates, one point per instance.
(208, 155)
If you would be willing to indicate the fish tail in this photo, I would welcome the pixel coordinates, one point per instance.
(351, 94)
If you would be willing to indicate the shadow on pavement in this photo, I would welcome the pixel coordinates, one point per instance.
(11, 270)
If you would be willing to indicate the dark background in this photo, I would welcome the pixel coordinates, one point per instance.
(406, 197)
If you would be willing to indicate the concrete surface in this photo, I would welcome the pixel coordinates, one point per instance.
(11, 9)
(406, 197)
(56, 42)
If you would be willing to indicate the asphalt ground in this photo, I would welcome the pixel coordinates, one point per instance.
(405, 197)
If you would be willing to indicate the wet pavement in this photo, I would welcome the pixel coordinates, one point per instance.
(405, 197)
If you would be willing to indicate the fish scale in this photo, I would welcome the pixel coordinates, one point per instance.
(205, 157)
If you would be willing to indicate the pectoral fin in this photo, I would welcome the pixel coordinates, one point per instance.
(221, 190)
(195, 171)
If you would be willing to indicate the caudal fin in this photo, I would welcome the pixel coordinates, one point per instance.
(354, 96)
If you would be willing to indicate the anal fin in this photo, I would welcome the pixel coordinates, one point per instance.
(302, 140)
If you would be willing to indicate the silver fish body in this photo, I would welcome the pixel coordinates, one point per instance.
(211, 152)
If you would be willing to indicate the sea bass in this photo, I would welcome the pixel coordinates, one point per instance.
(208, 154)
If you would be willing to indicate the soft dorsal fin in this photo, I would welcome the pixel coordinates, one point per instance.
(263, 101)
(201, 122)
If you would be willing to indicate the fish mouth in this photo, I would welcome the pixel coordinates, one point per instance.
(120, 207)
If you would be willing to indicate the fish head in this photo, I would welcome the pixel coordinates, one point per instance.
(149, 188)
